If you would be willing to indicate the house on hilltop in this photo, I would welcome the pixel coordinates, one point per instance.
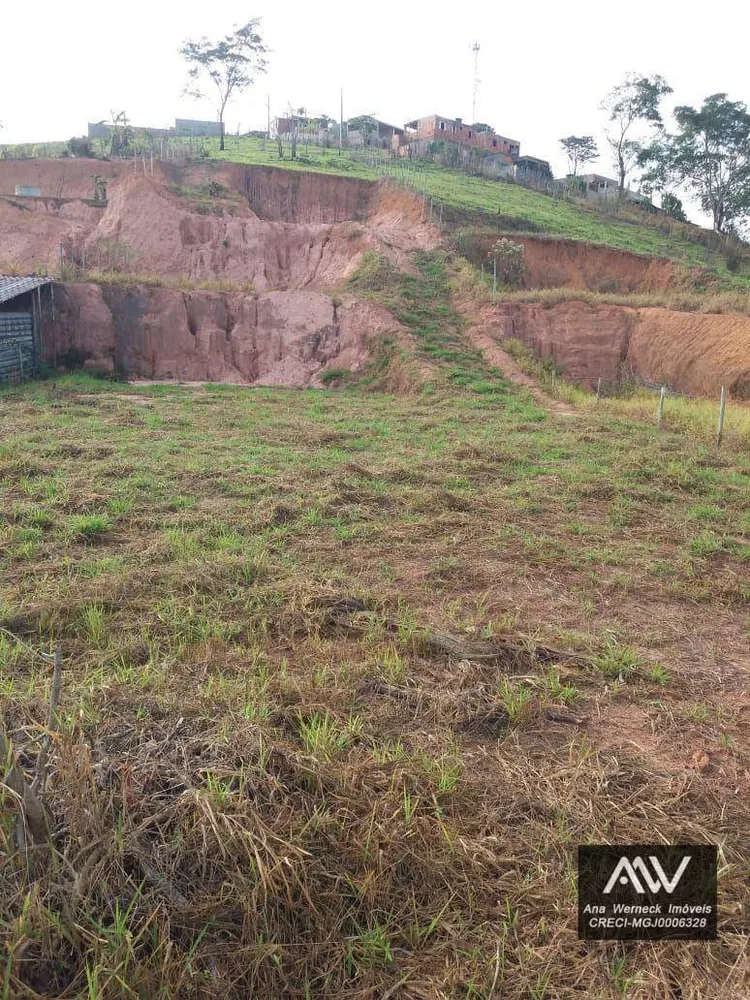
(607, 188)
(532, 170)
(458, 143)
(314, 126)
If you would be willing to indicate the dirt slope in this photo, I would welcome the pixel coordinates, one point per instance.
(573, 264)
(286, 231)
(695, 353)
(276, 338)
(274, 228)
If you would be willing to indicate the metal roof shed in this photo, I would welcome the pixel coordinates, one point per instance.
(22, 307)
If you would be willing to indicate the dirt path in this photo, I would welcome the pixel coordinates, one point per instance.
(498, 358)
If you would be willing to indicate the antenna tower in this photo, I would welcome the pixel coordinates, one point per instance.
(475, 50)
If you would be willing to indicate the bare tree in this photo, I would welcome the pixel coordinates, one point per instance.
(230, 63)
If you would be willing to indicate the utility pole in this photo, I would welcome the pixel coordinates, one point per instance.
(268, 111)
(475, 50)
(341, 122)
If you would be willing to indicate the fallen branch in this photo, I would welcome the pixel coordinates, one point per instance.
(339, 613)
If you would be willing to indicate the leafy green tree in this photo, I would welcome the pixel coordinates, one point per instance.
(672, 205)
(635, 100)
(711, 153)
(580, 149)
(81, 146)
(366, 125)
(231, 64)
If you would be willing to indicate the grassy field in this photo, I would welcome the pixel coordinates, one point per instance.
(347, 677)
(510, 205)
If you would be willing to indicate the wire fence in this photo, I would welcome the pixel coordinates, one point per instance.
(629, 384)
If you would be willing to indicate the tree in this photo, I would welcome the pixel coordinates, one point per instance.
(366, 125)
(634, 100)
(711, 153)
(81, 146)
(230, 63)
(672, 205)
(121, 134)
(579, 149)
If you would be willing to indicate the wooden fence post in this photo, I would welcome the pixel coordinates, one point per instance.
(722, 410)
(660, 413)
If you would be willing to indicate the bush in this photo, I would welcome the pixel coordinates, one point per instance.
(215, 189)
(509, 261)
(80, 146)
(732, 255)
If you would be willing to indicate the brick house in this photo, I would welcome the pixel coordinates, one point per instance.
(436, 128)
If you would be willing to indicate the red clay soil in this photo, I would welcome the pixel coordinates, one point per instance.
(290, 231)
(695, 353)
(562, 263)
(276, 338)
(478, 335)
(276, 229)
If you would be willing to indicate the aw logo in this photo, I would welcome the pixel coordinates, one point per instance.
(647, 892)
(628, 871)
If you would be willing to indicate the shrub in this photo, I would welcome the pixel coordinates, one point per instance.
(80, 146)
(509, 261)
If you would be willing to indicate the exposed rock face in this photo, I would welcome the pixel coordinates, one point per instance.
(278, 338)
(695, 353)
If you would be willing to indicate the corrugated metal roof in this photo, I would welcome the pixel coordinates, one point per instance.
(10, 286)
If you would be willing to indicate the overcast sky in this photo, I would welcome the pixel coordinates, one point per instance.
(543, 66)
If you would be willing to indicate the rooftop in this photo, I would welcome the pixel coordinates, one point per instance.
(12, 286)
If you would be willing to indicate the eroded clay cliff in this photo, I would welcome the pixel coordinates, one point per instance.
(692, 352)
(274, 338)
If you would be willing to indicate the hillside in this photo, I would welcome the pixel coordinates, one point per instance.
(506, 206)
(224, 271)
(312, 683)
(510, 206)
